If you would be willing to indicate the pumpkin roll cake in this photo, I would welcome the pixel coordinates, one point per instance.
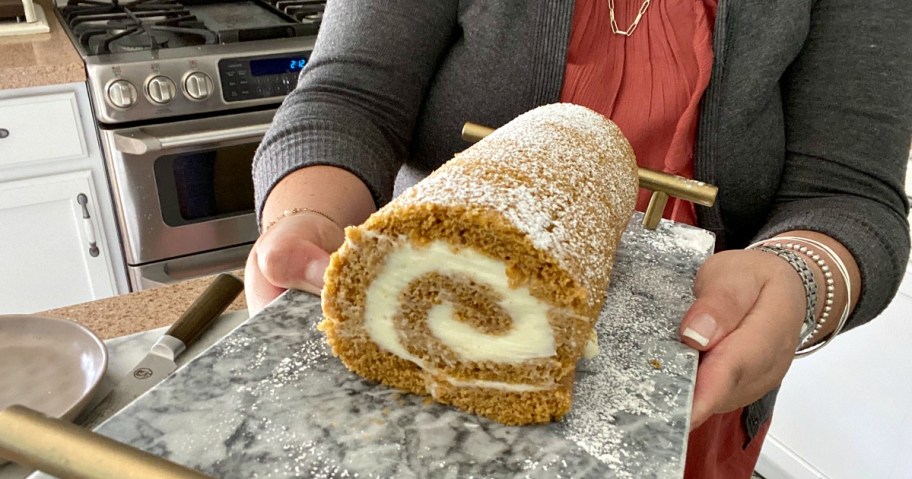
(480, 286)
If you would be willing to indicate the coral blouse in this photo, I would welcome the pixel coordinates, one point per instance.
(649, 83)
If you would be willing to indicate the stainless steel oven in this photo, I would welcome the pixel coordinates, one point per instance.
(184, 194)
(183, 91)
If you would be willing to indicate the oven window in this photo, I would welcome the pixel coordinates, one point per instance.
(205, 185)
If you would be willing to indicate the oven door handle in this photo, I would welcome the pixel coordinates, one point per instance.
(139, 142)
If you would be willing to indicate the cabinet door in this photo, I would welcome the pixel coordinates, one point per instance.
(52, 251)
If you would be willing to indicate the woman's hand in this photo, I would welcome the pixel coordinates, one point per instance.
(293, 253)
(746, 319)
(749, 309)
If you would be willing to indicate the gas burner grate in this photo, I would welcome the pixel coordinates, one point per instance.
(307, 12)
(114, 27)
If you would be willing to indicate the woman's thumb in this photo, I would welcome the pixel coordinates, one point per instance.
(722, 301)
(290, 261)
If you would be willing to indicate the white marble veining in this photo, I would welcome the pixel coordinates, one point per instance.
(269, 400)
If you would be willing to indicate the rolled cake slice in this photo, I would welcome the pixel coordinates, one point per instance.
(480, 285)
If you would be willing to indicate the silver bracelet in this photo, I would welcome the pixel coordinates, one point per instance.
(828, 277)
(807, 280)
(843, 270)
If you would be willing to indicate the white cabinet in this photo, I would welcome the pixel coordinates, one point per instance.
(58, 237)
(52, 253)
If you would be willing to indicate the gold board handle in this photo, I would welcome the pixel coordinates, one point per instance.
(661, 184)
(70, 452)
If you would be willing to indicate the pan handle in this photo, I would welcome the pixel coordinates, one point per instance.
(70, 452)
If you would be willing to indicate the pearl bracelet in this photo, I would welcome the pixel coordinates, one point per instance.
(794, 243)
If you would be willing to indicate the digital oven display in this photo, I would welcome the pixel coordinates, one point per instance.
(277, 66)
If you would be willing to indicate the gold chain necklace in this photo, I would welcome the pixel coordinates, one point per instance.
(633, 26)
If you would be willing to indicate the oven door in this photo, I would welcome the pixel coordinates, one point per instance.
(185, 188)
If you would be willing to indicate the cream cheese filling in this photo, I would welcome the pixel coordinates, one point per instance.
(529, 337)
(592, 348)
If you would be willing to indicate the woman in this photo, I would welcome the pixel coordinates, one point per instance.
(799, 111)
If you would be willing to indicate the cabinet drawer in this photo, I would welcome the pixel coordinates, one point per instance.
(39, 128)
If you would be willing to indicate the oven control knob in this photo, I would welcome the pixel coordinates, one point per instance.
(160, 90)
(198, 86)
(121, 94)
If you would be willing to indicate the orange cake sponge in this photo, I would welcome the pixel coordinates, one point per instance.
(480, 286)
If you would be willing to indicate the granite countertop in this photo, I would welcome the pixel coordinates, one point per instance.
(139, 311)
(40, 59)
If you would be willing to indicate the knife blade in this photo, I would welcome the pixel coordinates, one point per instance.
(159, 362)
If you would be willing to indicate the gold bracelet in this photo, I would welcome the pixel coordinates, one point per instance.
(294, 211)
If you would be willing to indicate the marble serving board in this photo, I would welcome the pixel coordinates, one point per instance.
(269, 400)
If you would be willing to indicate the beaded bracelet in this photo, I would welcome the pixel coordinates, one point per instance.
(294, 211)
(807, 279)
(789, 242)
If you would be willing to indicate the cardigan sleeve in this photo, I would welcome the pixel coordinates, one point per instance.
(357, 100)
(848, 118)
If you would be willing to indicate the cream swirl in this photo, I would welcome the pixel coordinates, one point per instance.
(529, 336)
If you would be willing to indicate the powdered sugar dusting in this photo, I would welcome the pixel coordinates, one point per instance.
(562, 174)
(682, 240)
(636, 382)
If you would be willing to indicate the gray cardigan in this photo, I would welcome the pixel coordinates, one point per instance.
(806, 122)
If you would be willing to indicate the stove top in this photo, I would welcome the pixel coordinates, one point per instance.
(101, 27)
(308, 12)
(142, 25)
(152, 60)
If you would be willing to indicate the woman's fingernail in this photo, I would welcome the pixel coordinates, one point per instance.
(314, 272)
(701, 329)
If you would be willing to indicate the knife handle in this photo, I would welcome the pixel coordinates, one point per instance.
(207, 307)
